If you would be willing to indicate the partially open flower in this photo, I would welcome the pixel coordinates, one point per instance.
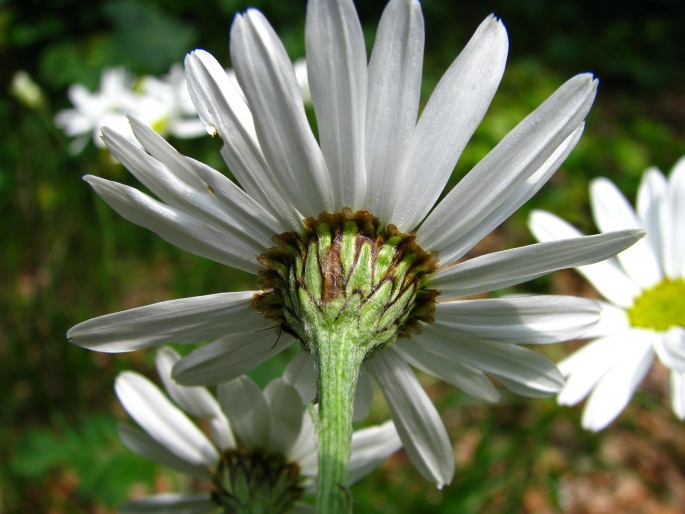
(262, 451)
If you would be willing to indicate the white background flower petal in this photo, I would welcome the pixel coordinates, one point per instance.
(165, 422)
(670, 347)
(188, 320)
(141, 443)
(285, 410)
(587, 366)
(170, 503)
(246, 408)
(611, 282)
(417, 422)
(197, 401)
(615, 389)
(370, 446)
(672, 214)
(336, 64)
(677, 388)
(612, 319)
(649, 195)
(363, 395)
(301, 374)
(612, 211)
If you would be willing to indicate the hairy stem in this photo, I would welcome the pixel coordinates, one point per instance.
(338, 359)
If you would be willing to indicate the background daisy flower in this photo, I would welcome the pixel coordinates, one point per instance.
(645, 290)
(262, 449)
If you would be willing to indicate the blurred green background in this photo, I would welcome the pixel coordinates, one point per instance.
(66, 257)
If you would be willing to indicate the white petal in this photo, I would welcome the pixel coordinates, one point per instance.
(417, 422)
(511, 173)
(201, 190)
(450, 117)
(139, 442)
(170, 503)
(393, 101)
(229, 357)
(612, 211)
(177, 227)
(266, 75)
(167, 424)
(587, 366)
(222, 108)
(196, 401)
(677, 386)
(301, 374)
(304, 450)
(245, 406)
(370, 446)
(616, 388)
(612, 320)
(467, 378)
(336, 65)
(672, 214)
(188, 320)
(285, 410)
(499, 359)
(611, 282)
(519, 320)
(649, 197)
(670, 347)
(363, 395)
(510, 267)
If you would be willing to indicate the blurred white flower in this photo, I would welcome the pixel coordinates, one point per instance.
(265, 438)
(24, 89)
(105, 107)
(645, 288)
(162, 103)
(171, 105)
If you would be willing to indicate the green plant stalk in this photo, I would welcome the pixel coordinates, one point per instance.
(339, 360)
(346, 288)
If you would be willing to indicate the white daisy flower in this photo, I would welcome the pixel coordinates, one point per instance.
(174, 111)
(106, 106)
(262, 450)
(645, 290)
(359, 256)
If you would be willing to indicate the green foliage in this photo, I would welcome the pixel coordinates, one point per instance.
(88, 450)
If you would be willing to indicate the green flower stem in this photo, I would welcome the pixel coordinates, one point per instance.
(339, 359)
(346, 287)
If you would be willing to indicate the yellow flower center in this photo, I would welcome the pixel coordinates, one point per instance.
(661, 307)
